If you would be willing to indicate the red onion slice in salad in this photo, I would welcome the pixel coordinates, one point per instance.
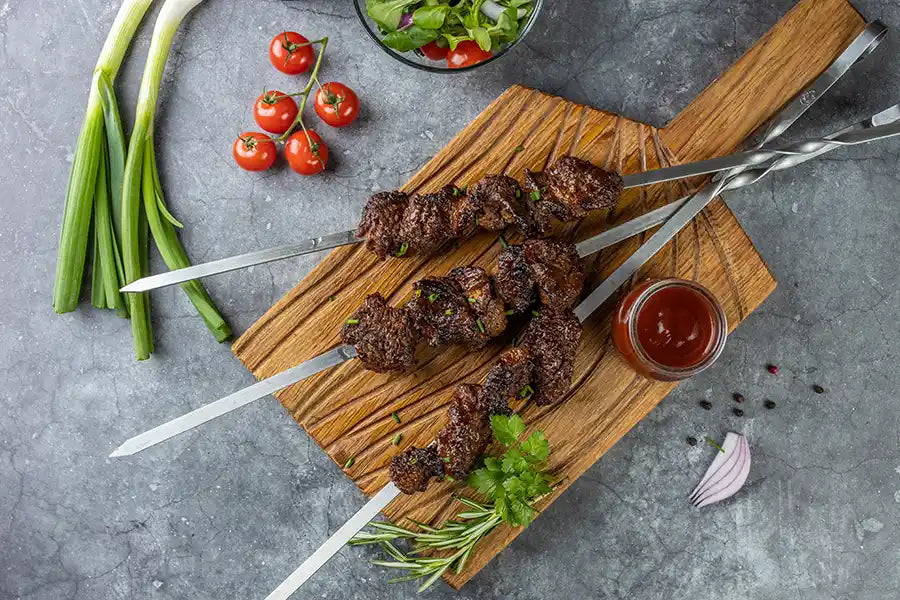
(728, 477)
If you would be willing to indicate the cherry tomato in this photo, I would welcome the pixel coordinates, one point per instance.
(433, 51)
(336, 104)
(302, 158)
(275, 111)
(254, 151)
(291, 53)
(467, 53)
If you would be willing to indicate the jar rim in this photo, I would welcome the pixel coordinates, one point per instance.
(721, 328)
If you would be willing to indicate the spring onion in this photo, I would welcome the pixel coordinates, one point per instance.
(95, 181)
(143, 204)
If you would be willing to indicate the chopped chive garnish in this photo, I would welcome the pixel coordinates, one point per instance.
(352, 321)
(403, 248)
(526, 391)
(455, 191)
(445, 459)
(413, 460)
(449, 478)
(503, 242)
(480, 325)
(518, 193)
(331, 298)
(448, 312)
(536, 313)
(395, 416)
(432, 297)
(397, 438)
(520, 148)
(535, 195)
(472, 300)
(510, 312)
(418, 293)
(464, 189)
(476, 220)
(710, 441)
(349, 462)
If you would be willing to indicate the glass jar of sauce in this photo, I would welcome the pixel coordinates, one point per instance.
(669, 329)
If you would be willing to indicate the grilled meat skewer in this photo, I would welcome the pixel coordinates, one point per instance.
(464, 307)
(398, 225)
(544, 361)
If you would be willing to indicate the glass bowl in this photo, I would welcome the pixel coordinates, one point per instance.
(416, 60)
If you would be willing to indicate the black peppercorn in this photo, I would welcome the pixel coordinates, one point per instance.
(692, 441)
(738, 412)
(705, 404)
(818, 389)
(769, 404)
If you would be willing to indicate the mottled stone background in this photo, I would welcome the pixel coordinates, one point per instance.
(228, 510)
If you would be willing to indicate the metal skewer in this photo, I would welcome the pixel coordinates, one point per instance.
(862, 46)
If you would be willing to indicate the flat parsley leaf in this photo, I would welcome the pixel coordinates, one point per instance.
(536, 447)
(507, 429)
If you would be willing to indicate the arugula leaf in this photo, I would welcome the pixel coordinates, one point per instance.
(387, 13)
(431, 17)
(410, 38)
(453, 40)
(482, 38)
(507, 429)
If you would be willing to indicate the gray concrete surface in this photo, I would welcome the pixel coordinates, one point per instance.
(229, 510)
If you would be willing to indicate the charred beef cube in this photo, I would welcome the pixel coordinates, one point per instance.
(412, 469)
(497, 201)
(381, 221)
(490, 310)
(441, 313)
(383, 336)
(513, 280)
(427, 222)
(533, 191)
(467, 435)
(553, 267)
(506, 379)
(552, 337)
(569, 189)
(556, 270)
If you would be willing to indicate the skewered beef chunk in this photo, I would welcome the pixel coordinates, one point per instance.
(570, 188)
(380, 223)
(427, 223)
(506, 379)
(441, 313)
(513, 280)
(494, 203)
(383, 336)
(556, 268)
(476, 285)
(414, 467)
(552, 337)
(535, 188)
(553, 266)
(467, 435)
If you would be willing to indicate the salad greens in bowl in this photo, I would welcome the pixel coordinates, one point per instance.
(447, 35)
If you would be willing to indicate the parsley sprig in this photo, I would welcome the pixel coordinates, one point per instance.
(513, 481)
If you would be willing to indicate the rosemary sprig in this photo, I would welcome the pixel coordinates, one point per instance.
(460, 535)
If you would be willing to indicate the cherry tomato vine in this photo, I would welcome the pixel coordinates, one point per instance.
(278, 113)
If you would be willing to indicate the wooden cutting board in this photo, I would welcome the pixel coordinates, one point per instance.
(348, 410)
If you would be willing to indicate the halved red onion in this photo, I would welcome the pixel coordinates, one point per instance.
(724, 480)
(406, 20)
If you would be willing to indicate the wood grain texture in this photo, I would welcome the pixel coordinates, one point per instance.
(347, 410)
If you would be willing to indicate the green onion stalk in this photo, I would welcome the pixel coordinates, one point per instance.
(94, 194)
(143, 204)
